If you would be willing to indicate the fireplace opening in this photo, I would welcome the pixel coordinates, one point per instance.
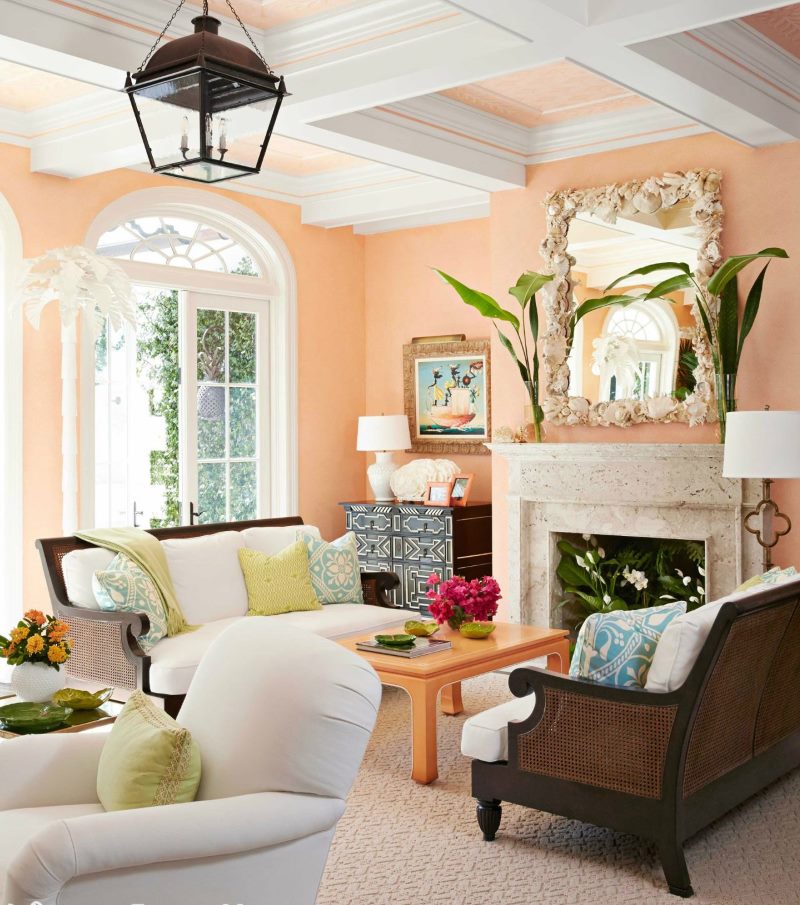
(602, 573)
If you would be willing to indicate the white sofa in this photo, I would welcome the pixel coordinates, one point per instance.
(282, 719)
(210, 588)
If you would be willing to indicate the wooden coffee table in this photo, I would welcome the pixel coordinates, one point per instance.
(424, 677)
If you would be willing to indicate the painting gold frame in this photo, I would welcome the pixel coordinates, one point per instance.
(414, 357)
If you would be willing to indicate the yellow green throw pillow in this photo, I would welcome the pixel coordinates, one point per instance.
(278, 584)
(147, 760)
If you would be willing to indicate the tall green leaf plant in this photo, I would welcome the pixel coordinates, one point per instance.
(524, 327)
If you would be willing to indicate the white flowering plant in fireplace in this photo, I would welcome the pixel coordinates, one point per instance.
(599, 575)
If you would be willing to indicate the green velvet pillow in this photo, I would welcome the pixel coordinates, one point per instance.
(278, 584)
(148, 759)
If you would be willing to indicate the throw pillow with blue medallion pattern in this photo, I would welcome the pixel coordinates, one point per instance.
(617, 648)
(335, 573)
(124, 587)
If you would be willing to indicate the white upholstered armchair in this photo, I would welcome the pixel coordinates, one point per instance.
(282, 718)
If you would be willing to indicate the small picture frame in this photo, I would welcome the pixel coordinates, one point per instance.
(461, 489)
(437, 493)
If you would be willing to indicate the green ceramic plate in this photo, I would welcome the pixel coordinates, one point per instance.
(77, 699)
(421, 629)
(477, 630)
(28, 717)
(395, 640)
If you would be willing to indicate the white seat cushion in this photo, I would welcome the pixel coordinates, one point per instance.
(18, 826)
(78, 568)
(485, 735)
(683, 639)
(207, 576)
(174, 660)
(272, 540)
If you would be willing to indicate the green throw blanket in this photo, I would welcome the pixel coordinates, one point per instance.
(149, 555)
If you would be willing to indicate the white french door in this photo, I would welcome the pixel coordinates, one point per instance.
(181, 412)
(225, 446)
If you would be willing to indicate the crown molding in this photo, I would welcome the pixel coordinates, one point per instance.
(745, 53)
(608, 131)
(467, 125)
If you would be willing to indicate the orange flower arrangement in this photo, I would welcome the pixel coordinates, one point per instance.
(37, 638)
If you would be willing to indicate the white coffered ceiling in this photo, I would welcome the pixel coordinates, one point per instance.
(406, 112)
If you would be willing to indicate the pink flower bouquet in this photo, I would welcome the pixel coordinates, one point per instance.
(457, 600)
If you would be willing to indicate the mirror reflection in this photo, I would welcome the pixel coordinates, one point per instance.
(644, 349)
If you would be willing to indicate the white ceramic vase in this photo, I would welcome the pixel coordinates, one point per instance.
(36, 682)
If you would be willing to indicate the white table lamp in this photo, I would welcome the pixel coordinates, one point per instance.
(763, 445)
(382, 434)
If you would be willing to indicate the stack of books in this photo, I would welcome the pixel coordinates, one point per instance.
(420, 648)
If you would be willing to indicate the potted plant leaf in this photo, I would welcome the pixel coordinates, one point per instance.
(525, 327)
(718, 306)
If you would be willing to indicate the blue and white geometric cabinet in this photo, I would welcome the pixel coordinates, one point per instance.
(416, 541)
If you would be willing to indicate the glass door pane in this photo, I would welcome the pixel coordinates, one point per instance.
(137, 417)
(226, 423)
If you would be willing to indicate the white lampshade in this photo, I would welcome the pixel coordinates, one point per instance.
(762, 444)
(377, 433)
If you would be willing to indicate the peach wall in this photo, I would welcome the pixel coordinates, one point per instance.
(762, 201)
(54, 212)
(405, 298)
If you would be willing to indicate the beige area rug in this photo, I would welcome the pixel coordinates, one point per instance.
(404, 844)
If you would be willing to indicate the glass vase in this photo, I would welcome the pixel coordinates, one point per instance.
(726, 400)
(533, 415)
(458, 618)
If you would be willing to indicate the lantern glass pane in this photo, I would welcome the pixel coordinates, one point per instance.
(237, 133)
(169, 116)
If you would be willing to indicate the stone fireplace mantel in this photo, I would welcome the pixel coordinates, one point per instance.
(620, 489)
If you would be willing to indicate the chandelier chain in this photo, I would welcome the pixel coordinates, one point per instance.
(158, 40)
(250, 38)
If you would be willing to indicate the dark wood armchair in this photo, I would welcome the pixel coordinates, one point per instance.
(106, 649)
(661, 766)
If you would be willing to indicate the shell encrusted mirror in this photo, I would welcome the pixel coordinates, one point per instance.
(647, 362)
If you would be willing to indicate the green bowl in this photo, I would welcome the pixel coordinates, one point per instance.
(77, 699)
(477, 630)
(421, 629)
(29, 717)
(395, 640)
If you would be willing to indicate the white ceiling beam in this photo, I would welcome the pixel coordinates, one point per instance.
(723, 107)
(408, 197)
(721, 100)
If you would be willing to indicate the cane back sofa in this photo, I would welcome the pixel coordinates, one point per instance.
(105, 646)
(660, 765)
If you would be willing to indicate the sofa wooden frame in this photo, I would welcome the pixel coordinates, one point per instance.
(106, 649)
(660, 766)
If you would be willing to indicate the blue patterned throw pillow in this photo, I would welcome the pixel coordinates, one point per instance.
(617, 648)
(335, 574)
(125, 587)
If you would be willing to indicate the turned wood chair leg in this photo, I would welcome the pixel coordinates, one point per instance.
(673, 862)
(489, 814)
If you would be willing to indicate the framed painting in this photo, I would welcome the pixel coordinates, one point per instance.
(447, 396)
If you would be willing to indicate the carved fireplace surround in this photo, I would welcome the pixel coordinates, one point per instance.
(620, 489)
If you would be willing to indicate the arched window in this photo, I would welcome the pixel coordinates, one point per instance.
(193, 415)
(11, 553)
(178, 242)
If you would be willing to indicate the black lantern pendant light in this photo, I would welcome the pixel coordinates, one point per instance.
(203, 103)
